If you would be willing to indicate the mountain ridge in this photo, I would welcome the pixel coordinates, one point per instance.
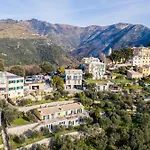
(77, 41)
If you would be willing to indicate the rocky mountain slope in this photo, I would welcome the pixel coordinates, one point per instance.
(78, 41)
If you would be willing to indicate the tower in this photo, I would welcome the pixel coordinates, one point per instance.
(109, 51)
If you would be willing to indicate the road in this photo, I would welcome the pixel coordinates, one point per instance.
(45, 141)
(26, 109)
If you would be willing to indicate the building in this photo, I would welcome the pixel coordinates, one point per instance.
(145, 70)
(102, 86)
(65, 114)
(96, 68)
(11, 86)
(73, 78)
(3, 81)
(133, 74)
(141, 56)
(89, 60)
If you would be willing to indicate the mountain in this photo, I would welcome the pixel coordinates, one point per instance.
(116, 36)
(33, 41)
(21, 45)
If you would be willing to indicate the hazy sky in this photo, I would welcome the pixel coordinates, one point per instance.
(78, 12)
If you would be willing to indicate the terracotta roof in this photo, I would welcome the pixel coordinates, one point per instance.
(59, 108)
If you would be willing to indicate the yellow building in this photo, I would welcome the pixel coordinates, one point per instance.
(145, 70)
(60, 111)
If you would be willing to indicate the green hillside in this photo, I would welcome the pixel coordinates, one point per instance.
(29, 51)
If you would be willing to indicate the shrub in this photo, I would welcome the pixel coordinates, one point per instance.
(59, 128)
(45, 131)
(48, 97)
(30, 117)
(64, 93)
(57, 96)
(34, 134)
(70, 127)
(24, 102)
(19, 139)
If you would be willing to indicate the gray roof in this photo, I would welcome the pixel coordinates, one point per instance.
(12, 76)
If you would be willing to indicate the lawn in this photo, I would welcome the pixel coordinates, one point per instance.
(136, 87)
(19, 122)
(118, 74)
(39, 102)
(120, 81)
(96, 81)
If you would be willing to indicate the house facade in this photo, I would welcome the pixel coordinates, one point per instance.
(67, 114)
(11, 86)
(141, 56)
(73, 78)
(102, 86)
(96, 68)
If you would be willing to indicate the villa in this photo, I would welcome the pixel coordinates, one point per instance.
(66, 114)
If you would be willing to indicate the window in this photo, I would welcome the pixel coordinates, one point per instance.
(11, 82)
(104, 88)
(68, 77)
(19, 87)
(79, 110)
(10, 89)
(66, 113)
(71, 111)
(44, 117)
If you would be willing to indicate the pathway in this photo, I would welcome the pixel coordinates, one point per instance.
(25, 109)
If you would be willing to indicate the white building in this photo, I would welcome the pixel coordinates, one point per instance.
(73, 78)
(141, 56)
(102, 86)
(11, 85)
(89, 60)
(96, 68)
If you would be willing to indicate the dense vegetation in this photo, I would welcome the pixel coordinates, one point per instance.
(121, 56)
(117, 122)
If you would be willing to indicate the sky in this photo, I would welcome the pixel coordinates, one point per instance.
(78, 12)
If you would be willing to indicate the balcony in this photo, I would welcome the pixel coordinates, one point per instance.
(65, 118)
